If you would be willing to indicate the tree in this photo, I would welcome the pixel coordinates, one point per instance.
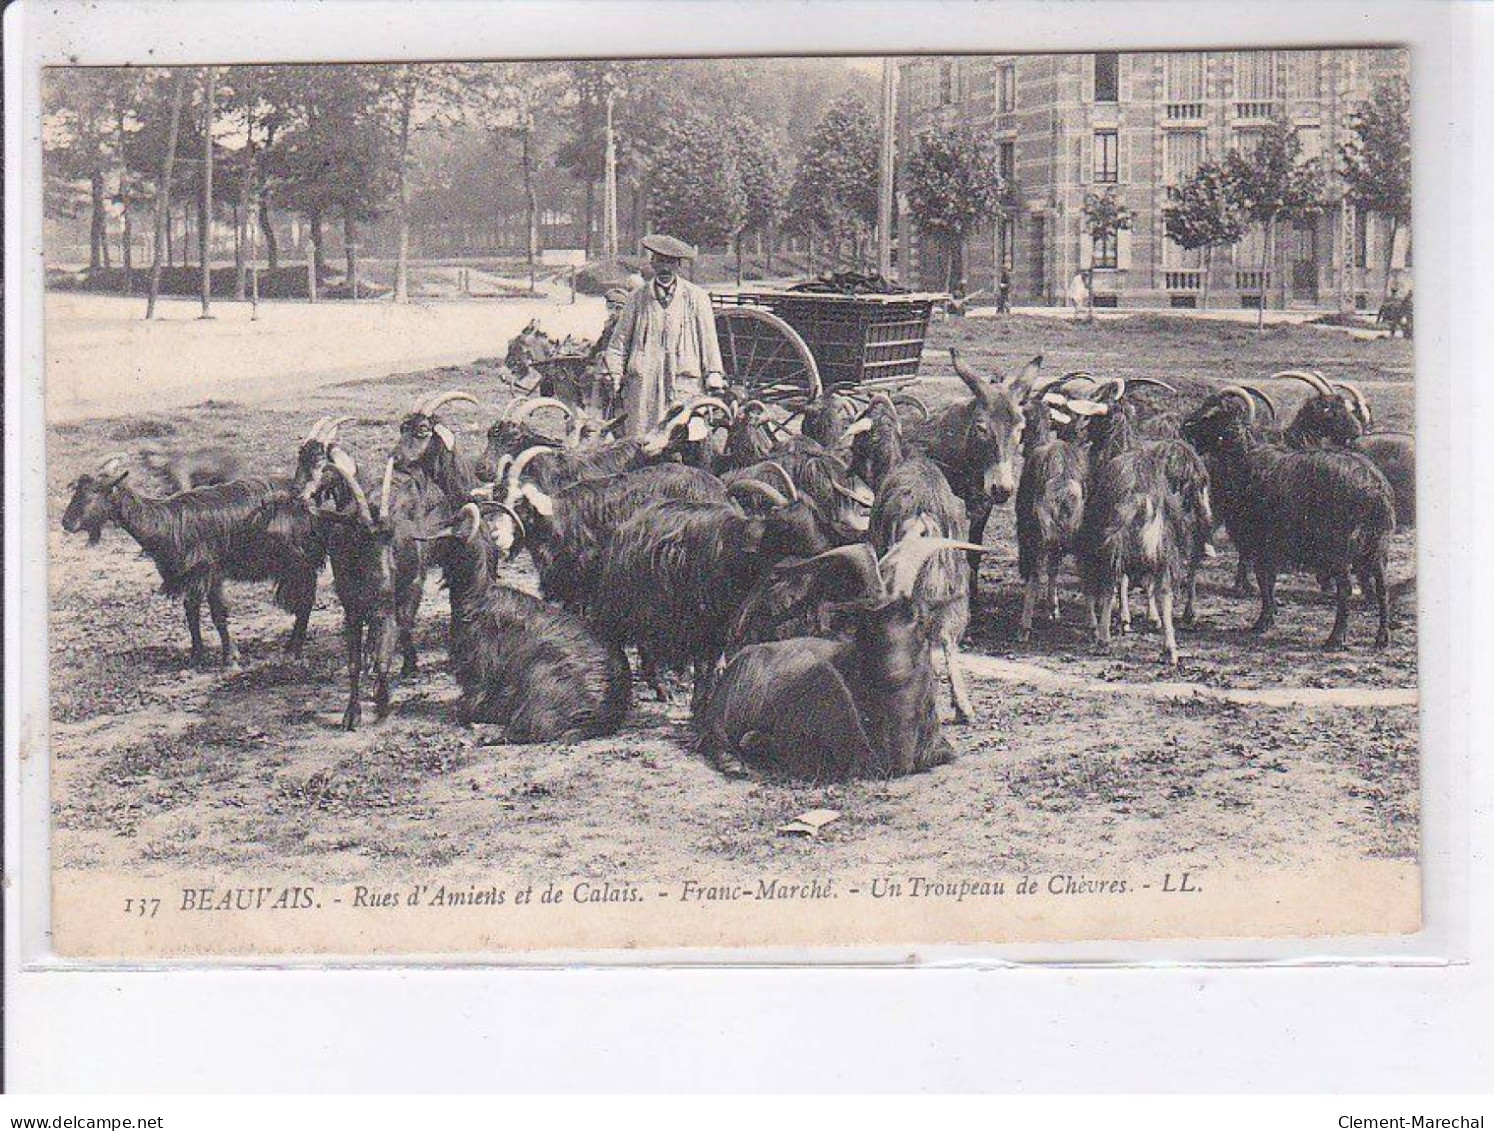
(835, 185)
(954, 187)
(1377, 158)
(421, 96)
(507, 101)
(1203, 213)
(163, 189)
(697, 190)
(205, 208)
(1273, 183)
(82, 109)
(764, 178)
(1105, 218)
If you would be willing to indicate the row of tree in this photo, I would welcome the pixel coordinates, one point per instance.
(714, 152)
(1272, 184)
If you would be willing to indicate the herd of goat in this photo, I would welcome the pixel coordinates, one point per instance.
(806, 576)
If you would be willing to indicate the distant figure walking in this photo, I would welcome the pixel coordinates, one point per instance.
(1004, 292)
(664, 334)
(1079, 295)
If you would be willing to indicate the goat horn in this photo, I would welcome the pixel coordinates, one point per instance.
(360, 500)
(755, 487)
(1311, 379)
(1261, 395)
(514, 516)
(910, 399)
(862, 497)
(534, 404)
(315, 431)
(793, 490)
(859, 554)
(909, 556)
(429, 405)
(1154, 381)
(329, 434)
(856, 427)
(385, 489)
(1361, 405)
(1105, 386)
(524, 459)
(695, 404)
(1243, 394)
(113, 461)
(514, 403)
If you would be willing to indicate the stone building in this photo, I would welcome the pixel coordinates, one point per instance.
(1071, 125)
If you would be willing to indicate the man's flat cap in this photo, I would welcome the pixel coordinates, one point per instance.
(667, 245)
(617, 294)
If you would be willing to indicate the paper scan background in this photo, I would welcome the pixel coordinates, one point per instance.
(1359, 1025)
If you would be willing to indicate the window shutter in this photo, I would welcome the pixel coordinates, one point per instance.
(1123, 249)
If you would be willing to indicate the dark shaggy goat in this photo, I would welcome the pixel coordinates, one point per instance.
(1050, 505)
(975, 444)
(427, 448)
(553, 467)
(565, 532)
(378, 568)
(536, 670)
(865, 706)
(1338, 416)
(675, 574)
(1327, 511)
(1146, 517)
(915, 500)
(823, 478)
(247, 530)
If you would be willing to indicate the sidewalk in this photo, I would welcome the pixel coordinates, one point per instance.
(104, 359)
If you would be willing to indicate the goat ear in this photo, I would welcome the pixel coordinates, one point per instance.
(117, 479)
(447, 436)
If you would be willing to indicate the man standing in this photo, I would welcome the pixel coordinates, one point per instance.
(665, 335)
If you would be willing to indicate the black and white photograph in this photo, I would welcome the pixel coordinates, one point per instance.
(818, 501)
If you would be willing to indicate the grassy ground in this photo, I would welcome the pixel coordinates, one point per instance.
(158, 766)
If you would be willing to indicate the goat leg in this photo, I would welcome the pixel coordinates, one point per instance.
(1340, 628)
(1244, 587)
(1106, 605)
(1192, 590)
(1029, 604)
(192, 605)
(959, 690)
(1053, 590)
(385, 635)
(1265, 576)
(353, 630)
(1169, 636)
(1125, 603)
(978, 520)
(305, 598)
(1376, 574)
(218, 607)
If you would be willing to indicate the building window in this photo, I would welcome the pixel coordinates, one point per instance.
(1006, 88)
(1309, 72)
(1107, 157)
(1006, 160)
(1255, 76)
(1107, 77)
(1185, 76)
(1107, 252)
(1183, 154)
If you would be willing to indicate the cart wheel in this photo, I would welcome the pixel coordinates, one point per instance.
(761, 349)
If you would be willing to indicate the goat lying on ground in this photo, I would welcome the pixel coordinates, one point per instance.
(247, 530)
(833, 709)
(535, 669)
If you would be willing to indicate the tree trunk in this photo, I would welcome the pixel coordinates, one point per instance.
(531, 203)
(205, 210)
(318, 244)
(768, 251)
(402, 260)
(350, 250)
(267, 228)
(1260, 313)
(98, 232)
(739, 259)
(1389, 260)
(591, 208)
(163, 193)
(1208, 271)
(127, 253)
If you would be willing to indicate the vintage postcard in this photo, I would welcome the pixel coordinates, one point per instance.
(601, 504)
